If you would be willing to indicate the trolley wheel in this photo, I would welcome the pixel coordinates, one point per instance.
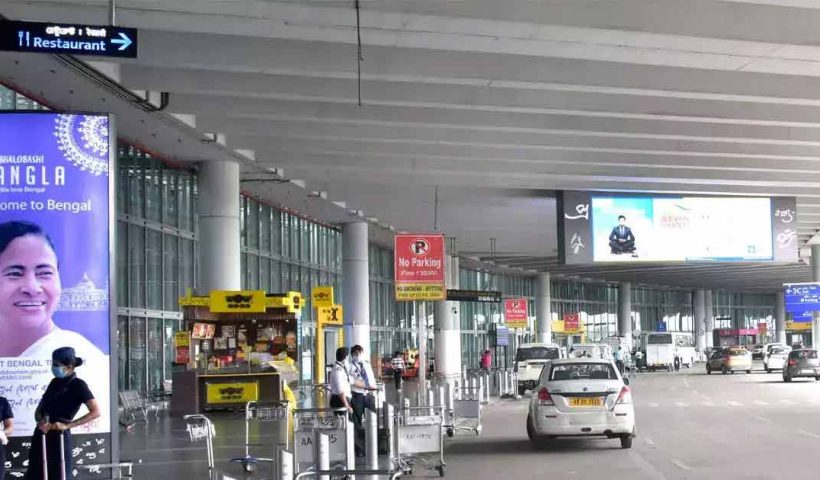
(478, 430)
(441, 470)
(248, 467)
(450, 432)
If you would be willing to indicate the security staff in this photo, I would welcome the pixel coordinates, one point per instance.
(363, 382)
(340, 393)
(55, 414)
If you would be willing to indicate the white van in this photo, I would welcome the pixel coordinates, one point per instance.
(530, 359)
(592, 350)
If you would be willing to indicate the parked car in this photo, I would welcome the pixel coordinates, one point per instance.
(776, 358)
(578, 397)
(730, 359)
(802, 363)
(530, 358)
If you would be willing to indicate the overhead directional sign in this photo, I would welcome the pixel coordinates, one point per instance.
(68, 38)
(481, 296)
(802, 297)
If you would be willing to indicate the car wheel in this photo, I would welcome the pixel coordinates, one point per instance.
(787, 378)
(724, 370)
(748, 371)
(732, 371)
(708, 370)
(626, 441)
(531, 431)
(768, 370)
(521, 391)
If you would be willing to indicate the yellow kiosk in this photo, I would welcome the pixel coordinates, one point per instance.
(236, 347)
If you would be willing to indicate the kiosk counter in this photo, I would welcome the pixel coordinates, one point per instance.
(237, 346)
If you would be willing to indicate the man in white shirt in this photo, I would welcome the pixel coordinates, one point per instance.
(363, 382)
(340, 393)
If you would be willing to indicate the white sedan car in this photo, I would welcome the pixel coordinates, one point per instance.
(581, 397)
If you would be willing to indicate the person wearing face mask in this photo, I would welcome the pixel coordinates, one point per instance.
(6, 428)
(362, 382)
(60, 403)
(30, 291)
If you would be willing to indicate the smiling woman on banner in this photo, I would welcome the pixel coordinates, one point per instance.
(30, 291)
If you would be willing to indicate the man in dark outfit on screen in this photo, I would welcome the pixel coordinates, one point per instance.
(621, 240)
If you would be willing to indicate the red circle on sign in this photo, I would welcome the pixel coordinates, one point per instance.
(420, 247)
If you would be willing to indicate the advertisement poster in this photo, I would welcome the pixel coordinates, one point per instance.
(681, 229)
(419, 267)
(515, 313)
(572, 322)
(54, 264)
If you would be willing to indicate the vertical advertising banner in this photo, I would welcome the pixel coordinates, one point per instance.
(54, 267)
(784, 229)
(515, 313)
(419, 267)
(575, 227)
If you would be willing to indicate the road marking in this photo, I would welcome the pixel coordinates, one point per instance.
(649, 442)
(681, 404)
(761, 403)
(808, 434)
(679, 464)
(733, 403)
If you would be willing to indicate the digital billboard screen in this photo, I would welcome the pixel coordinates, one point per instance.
(607, 228)
(55, 270)
(681, 229)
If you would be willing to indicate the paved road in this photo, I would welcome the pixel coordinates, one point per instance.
(690, 425)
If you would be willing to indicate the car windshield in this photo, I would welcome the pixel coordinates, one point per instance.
(734, 352)
(778, 351)
(536, 353)
(583, 371)
(803, 354)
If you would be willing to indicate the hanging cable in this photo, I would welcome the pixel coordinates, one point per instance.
(435, 211)
(359, 53)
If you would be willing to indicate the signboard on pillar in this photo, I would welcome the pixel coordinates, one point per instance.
(572, 322)
(56, 211)
(332, 315)
(322, 296)
(515, 313)
(660, 327)
(419, 267)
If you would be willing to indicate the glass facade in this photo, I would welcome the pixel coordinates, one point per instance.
(157, 261)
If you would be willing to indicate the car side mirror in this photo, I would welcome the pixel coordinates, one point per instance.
(626, 381)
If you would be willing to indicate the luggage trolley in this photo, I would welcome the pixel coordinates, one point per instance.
(418, 431)
(332, 421)
(276, 413)
(200, 428)
(466, 413)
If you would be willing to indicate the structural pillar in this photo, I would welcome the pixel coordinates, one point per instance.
(447, 327)
(815, 277)
(356, 285)
(780, 318)
(219, 250)
(543, 308)
(699, 310)
(625, 312)
(710, 319)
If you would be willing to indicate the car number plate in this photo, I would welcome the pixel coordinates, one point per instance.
(586, 401)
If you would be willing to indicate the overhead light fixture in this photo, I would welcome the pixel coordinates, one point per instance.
(318, 194)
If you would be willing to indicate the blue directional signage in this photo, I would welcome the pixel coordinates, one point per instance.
(660, 327)
(802, 297)
(68, 38)
(803, 317)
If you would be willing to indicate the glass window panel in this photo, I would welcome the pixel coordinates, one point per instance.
(171, 272)
(136, 266)
(136, 354)
(153, 195)
(170, 197)
(155, 354)
(153, 262)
